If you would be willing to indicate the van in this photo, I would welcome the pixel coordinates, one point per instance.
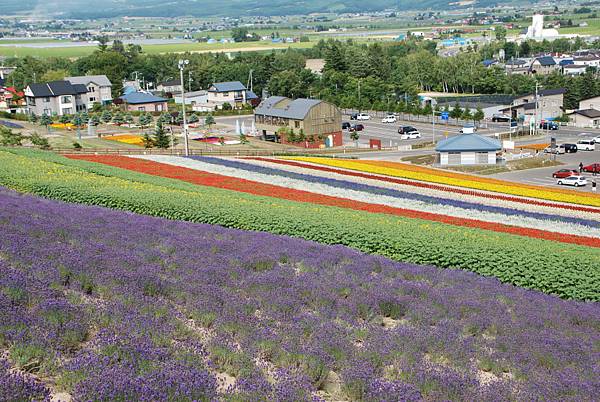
(585, 145)
(569, 148)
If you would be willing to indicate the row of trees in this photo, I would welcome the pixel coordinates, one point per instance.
(355, 75)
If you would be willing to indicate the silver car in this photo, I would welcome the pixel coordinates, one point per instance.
(575, 181)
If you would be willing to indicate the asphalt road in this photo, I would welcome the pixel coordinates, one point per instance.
(543, 176)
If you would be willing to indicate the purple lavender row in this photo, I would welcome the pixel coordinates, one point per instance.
(165, 310)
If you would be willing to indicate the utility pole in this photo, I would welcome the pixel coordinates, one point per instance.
(536, 109)
(182, 64)
(433, 124)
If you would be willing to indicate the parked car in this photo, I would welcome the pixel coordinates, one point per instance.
(585, 145)
(357, 127)
(556, 150)
(500, 117)
(470, 129)
(593, 168)
(575, 181)
(353, 116)
(363, 116)
(346, 125)
(407, 129)
(549, 125)
(562, 173)
(569, 148)
(596, 139)
(390, 118)
(411, 135)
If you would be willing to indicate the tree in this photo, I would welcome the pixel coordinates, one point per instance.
(193, 118)
(9, 137)
(456, 112)
(466, 114)
(102, 43)
(161, 139)
(354, 136)
(77, 145)
(227, 106)
(147, 140)
(500, 32)
(39, 141)
(77, 122)
(106, 116)
(118, 118)
(46, 120)
(209, 120)
(243, 138)
(54, 75)
(478, 115)
(144, 120)
(129, 119)
(64, 119)
(32, 118)
(95, 119)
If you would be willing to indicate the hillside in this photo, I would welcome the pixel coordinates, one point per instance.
(113, 8)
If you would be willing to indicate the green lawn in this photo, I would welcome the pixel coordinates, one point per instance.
(80, 51)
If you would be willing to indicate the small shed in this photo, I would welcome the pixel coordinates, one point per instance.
(468, 149)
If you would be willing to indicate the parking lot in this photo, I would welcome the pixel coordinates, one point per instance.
(543, 176)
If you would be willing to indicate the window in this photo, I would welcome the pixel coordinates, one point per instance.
(225, 94)
(46, 100)
(92, 99)
(141, 109)
(31, 101)
(481, 157)
(47, 112)
(159, 107)
(296, 124)
(67, 110)
(66, 99)
(91, 89)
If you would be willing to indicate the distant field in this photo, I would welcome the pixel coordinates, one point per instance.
(80, 51)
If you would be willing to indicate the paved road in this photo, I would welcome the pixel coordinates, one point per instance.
(543, 176)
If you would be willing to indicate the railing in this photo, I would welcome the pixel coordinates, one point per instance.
(213, 152)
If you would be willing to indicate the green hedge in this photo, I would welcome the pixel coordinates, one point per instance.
(569, 271)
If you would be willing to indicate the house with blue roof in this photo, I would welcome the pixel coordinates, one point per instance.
(468, 149)
(233, 92)
(543, 65)
(141, 101)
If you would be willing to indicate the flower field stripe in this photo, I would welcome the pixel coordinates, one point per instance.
(568, 270)
(460, 181)
(491, 201)
(379, 191)
(421, 184)
(172, 170)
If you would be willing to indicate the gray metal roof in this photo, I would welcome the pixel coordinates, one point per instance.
(294, 109)
(468, 143)
(227, 86)
(100, 80)
(546, 61)
(589, 113)
(141, 97)
(54, 88)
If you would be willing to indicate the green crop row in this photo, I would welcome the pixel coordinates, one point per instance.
(569, 271)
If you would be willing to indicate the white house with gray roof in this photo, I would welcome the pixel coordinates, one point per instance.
(99, 88)
(468, 149)
(232, 92)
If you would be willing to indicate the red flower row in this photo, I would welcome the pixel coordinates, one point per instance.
(268, 190)
(429, 186)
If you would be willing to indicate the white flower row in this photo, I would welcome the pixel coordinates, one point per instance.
(513, 220)
(431, 192)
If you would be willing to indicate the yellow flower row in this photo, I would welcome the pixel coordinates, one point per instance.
(433, 176)
(126, 139)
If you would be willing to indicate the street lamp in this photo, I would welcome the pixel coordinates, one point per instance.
(182, 64)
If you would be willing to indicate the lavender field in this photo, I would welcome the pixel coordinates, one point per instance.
(105, 305)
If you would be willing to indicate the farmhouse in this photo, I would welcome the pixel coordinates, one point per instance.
(543, 65)
(169, 87)
(468, 149)
(143, 102)
(310, 123)
(549, 104)
(233, 92)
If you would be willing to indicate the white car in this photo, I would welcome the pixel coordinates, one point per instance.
(572, 181)
(363, 116)
(586, 145)
(390, 118)
(411, 135)
(596, 139)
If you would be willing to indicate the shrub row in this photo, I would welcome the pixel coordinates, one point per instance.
(568, 271)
